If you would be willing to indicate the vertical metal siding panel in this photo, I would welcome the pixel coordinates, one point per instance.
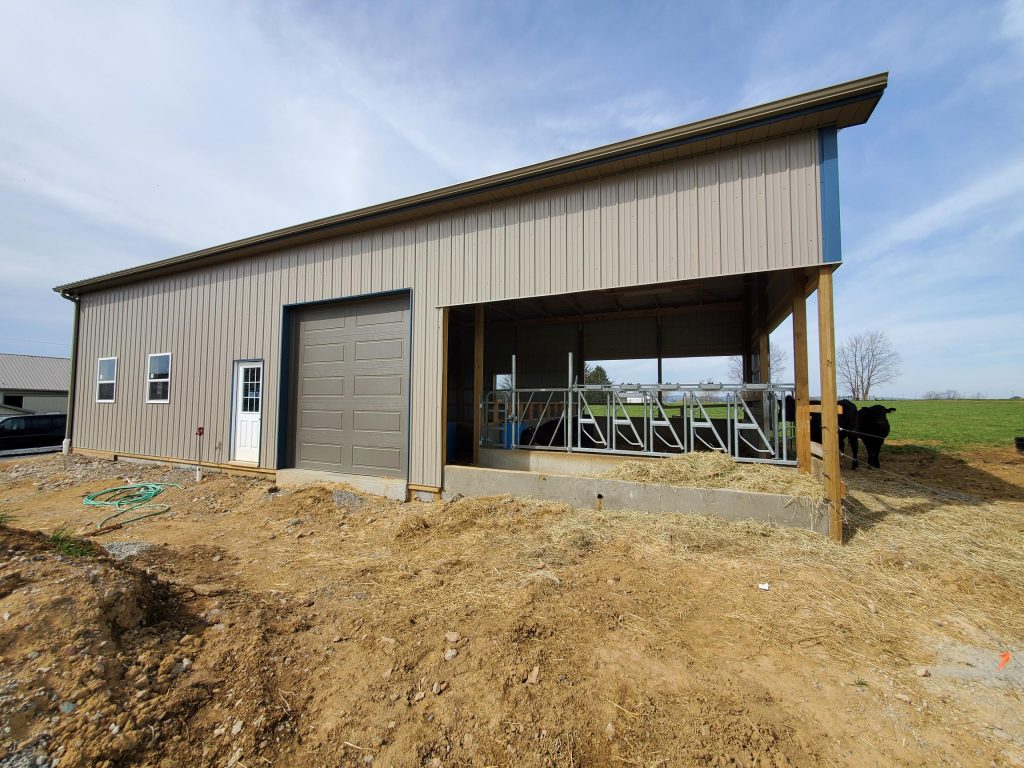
(798, 198)
(84, 428)
(810, 204)
(484, 284)
(818, 253)
(527, 247)
(731, 210)
(609, 233)
(591, 251)
(667, 240)
(755, 247)
(444, 267)
(777, 188)
(559, 258)
(510, 258)
(709, 246)
(574, 239)
(646, 228)
(457, 278)
(497, 252)
(542, 244)
(628, 229)
(687, 218)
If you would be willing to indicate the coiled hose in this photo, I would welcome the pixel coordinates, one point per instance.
(129, 498)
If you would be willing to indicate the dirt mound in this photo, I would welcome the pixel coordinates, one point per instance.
(329, 628)
(103, 664)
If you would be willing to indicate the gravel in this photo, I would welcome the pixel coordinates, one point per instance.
(119, 550)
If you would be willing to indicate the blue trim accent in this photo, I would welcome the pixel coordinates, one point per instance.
(283, 390)
(831, 233)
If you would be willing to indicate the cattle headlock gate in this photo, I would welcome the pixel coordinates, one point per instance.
(746, 421)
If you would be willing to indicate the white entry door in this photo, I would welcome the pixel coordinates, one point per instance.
(248, 411)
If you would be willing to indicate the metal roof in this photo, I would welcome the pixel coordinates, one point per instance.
(34, 373)
(839, 105)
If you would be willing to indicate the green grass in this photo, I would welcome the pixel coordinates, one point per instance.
(955, 424)
(952, 425)
(69, 544)
(6, 518)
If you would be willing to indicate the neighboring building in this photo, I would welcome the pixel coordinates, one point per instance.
(349, 344)
(33, 384)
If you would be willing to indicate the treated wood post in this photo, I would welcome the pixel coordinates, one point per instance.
(803, 416)
(764, 356)
(829, 413)
(478, 380)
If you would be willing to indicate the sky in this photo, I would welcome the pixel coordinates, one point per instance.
(131, 132)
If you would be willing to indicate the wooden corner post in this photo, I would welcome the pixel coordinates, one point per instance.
(802, 393)
(478, 380)
(829, 414)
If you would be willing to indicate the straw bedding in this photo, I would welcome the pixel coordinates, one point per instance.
(715, 470)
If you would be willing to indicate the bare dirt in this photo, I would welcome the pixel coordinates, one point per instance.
(319, 627)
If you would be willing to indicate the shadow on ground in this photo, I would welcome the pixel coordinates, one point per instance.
(931, 476)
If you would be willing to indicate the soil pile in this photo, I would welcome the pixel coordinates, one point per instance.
(328, 628)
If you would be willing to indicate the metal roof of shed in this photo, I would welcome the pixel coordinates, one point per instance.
(34, 373)
(841, 105)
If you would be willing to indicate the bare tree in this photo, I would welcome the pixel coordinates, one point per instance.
(865, 361)
(776, 364)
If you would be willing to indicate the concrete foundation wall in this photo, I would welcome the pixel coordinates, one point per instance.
(599, 493)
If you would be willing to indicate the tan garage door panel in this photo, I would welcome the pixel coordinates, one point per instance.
(351, 384)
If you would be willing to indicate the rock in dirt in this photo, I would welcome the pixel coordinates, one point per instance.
(236, 728)
(347, 500)
(534, 676)
(923, 672)
(121, 550)
(452, 637)
(450, 654)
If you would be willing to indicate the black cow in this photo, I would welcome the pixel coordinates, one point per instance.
(848, 426)
(873, 428)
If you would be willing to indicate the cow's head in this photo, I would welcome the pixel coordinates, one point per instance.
(890, 410)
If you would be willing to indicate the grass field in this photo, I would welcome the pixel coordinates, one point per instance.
(955, 424)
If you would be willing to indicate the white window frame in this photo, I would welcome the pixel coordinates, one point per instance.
(150, 380)
(113, 381)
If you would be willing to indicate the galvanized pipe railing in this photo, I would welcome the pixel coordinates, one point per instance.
(746, 421)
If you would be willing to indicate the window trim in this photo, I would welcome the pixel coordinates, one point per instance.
(112, 381)
(149, 380)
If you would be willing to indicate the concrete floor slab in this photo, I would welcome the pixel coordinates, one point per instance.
(392, 487)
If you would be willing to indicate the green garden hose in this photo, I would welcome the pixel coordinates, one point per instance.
(129, 498)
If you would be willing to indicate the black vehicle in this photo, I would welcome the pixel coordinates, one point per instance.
(38, 430)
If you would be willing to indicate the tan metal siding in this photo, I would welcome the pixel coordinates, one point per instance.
(739, 210)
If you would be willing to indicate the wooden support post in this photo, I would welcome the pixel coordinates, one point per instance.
(829, 416)
(478, 380)
(764, 357)
(747, 331)
(803, 419)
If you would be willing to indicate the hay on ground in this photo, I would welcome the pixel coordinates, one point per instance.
(706, 469)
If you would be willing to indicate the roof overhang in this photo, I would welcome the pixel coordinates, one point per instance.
(840, 105)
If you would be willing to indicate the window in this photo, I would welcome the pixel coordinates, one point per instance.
(251, 387)
(106, 379)
(12, 425)
(158, 379)
(15, 401)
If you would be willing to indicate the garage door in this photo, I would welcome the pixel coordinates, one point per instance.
(351, 363)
